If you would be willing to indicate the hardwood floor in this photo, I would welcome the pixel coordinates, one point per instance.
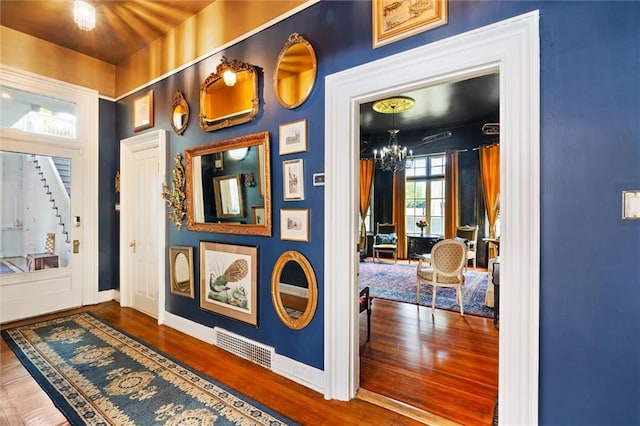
(447, 366)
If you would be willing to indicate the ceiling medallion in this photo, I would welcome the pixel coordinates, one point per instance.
(393, 157)
(394, 104)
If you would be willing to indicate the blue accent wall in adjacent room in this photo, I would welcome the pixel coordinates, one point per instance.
(590, 153)
(108, 225)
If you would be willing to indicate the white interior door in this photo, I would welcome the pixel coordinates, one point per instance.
(142, 228)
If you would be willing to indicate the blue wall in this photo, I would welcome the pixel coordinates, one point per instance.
(590, 152)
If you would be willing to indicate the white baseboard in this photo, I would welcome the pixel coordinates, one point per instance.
(108, 295)
(291, 369)
(300, 373)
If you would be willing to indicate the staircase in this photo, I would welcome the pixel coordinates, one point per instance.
(63, 168)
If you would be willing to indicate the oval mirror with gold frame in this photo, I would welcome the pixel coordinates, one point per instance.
(294, 290)
(226, 192)
(295, 73)
(179, 117)
(229, 96)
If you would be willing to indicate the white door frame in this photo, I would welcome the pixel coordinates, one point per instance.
(510, 47)
(128, 147)
(86, 144)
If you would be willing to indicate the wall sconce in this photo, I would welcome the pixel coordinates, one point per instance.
(229, 78)
(175, 197)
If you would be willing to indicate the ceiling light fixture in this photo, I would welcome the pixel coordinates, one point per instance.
(393, 157)
(84, 15)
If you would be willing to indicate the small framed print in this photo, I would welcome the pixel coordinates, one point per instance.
(293, 137)
(631, 205)
(293, 178)
(294, 224)
(257, 215)
(394, 20)
(143, 112)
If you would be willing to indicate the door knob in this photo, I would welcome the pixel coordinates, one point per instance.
(132, 244)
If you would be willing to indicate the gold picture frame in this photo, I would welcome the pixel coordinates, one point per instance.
(181, 271)
(229, 280)
(143, 112)
(394, 20)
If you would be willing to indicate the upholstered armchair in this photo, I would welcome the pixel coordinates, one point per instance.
(448, 258)
(385, 240)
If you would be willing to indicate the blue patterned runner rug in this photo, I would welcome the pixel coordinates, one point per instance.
(98, 375)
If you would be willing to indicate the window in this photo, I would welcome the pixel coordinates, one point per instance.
(425, 194)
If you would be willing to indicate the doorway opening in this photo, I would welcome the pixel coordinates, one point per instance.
(416, 364)
(511, 48)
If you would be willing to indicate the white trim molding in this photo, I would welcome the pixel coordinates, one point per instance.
(510, 47)
(128, 146)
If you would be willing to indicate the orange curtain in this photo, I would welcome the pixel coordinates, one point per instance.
(367, 168)
(399, 191)
(451, 185)
(490, 173)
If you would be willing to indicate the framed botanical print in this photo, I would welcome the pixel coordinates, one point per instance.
(229, 280)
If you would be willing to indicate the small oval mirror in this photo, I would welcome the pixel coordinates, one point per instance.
(295, 73)
(179, 113)
(294, 290)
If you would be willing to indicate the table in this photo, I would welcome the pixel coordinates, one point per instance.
(421, 244)
(38, 261)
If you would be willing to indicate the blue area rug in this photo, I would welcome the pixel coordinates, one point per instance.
(398, 282)
(98, 375)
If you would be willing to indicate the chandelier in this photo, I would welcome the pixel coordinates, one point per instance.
(393, 157)
(84, 15)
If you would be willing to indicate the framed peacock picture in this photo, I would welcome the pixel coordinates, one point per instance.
(229, 280)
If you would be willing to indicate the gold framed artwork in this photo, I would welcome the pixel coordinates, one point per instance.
(229, 280)
(394, 20)
(293, 178)
(293, 137)
(181, 271)
(294, 224)
(143, 112)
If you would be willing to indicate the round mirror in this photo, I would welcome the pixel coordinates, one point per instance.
(295, 72)
(294, 290)
(179, 113)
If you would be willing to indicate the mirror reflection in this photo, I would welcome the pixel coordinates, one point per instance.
(294, 290)
(295, 73)
(179, 117)
(181, 270)
(227, 183)
(229, 96)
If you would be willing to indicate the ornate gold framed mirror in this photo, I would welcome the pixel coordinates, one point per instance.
(179, 117)
(223, 189)
(181, 270)
(295, 73)
(229, 96)
(294, 290)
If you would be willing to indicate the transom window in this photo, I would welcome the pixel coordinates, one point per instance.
(425, 194)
